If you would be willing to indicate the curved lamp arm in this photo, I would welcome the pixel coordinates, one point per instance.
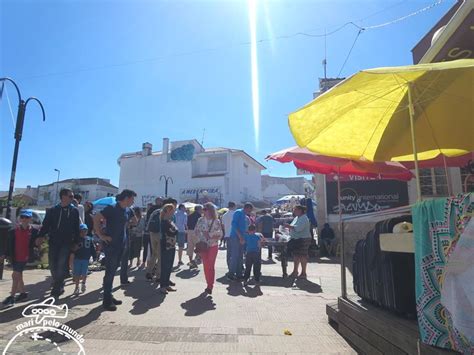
(15, 85)
(39, 103)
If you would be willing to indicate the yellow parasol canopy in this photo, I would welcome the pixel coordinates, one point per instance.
(368, 116)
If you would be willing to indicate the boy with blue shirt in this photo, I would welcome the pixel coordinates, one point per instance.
(83, 253)
(253, 247)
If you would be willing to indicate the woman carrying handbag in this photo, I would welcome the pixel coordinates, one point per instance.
(209, 232)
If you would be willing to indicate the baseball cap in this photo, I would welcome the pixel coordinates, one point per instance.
(26, 213)
(83, 226)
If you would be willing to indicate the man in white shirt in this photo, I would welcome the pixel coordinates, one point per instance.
(227, 222)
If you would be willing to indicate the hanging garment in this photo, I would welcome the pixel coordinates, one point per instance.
(439, 226)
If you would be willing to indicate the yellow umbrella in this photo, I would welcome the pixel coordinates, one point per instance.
(399, 113)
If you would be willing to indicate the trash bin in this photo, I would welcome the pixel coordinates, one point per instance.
(5, 226)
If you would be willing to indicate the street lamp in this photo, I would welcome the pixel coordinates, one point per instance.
(20, 120)
(167, 180)
(57, 184)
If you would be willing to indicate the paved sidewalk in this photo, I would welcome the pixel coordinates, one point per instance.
(235, 320)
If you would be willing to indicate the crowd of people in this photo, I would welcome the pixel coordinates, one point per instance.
(121, 235)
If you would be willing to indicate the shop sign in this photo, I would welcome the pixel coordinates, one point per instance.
(359, 197)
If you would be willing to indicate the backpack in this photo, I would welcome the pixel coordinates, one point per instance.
(154, 224)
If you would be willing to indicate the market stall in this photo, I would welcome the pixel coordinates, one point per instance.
(401, 114)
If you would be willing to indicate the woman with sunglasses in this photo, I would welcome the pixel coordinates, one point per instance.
(209, 232)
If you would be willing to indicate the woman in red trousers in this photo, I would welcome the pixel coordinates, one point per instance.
(209, 230)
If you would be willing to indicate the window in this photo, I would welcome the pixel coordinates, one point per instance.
(433, 182)
(246, 169)
(217, 164)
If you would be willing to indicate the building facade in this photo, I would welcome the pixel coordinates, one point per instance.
(274, 187)
(91, 189)
(187, 171)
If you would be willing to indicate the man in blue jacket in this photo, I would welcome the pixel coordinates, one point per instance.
(115, 237)
(240, 224)
(61, 223)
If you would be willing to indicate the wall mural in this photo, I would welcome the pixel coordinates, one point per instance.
(183, 153)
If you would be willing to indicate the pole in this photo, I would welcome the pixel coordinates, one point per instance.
(448, 176)
(341, 228)
(20, 119)
(411, 110)
(56, 197)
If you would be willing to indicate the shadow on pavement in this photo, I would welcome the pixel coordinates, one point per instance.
(198, 305)
(75, 324)
(308, 286)
(188, 273)
(146, 296)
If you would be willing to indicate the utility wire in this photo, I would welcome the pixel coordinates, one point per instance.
(350, 51)
(223, 47)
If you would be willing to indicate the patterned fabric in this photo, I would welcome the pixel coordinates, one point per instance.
(438, 225)
(207, 225)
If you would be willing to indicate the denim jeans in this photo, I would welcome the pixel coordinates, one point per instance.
(113, 257)
(253, 259)
(167, 260)
(58, 256)
(124, 264)
(236, 256)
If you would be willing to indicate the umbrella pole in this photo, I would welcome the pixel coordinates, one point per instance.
(341, 228)
(411, 110)
(448, 177)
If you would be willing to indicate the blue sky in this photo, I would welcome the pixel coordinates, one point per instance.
(114, 74)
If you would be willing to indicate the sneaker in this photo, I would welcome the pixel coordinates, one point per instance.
(125, 283)
(180, 263)
(83, 288)
(208, 291)
(231, 277)
(8, 302)
(109, 307)
(21, 297)
(193, 265)
(163, 290)
(172, 283)
(116, 301)
(76, 291)
(170, 289)
(246, 283)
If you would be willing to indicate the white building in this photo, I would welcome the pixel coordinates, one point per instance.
(193, 173)
(91, 189)
(274, 187)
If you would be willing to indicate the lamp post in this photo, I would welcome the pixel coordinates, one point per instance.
(167, 180)
(57, 185)
(20, 120)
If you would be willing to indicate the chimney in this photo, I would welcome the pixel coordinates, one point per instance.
(146, 149)
(166, 148)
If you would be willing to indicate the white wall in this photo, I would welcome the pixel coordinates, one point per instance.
(142, 175)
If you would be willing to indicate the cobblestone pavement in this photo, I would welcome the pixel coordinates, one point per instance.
(234, 320)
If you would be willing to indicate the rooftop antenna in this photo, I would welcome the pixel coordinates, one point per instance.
(202, 140)
(325, 62)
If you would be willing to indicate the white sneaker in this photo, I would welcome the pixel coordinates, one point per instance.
(83, 287)
(76, 291)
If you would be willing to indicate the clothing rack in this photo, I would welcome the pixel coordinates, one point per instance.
(388, 212)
